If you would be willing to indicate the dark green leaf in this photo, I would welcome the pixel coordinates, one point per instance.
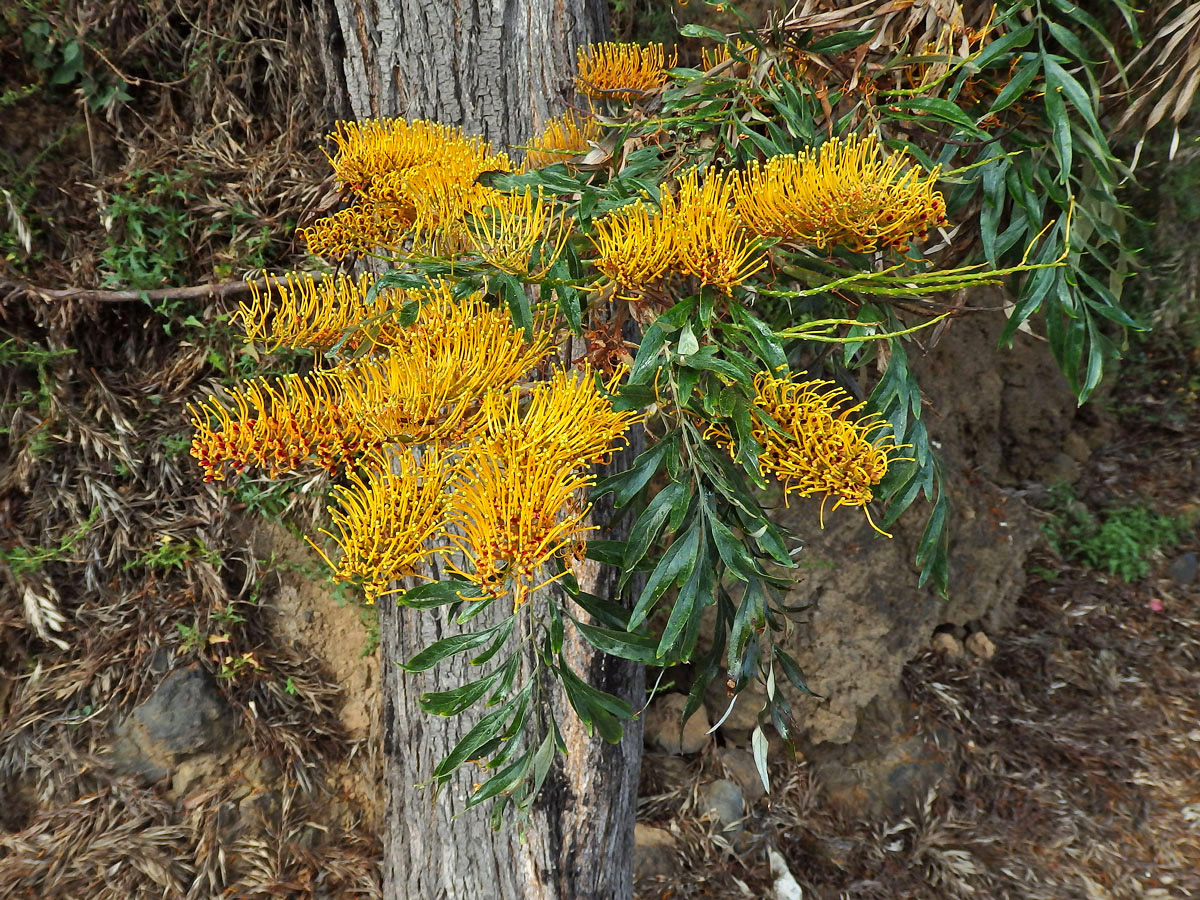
(485, 730)
(454, 701)
(693, 30)
(439, 650)
(649, 524)
(836, 43)
(626, 485)
(437, 593)
(502, 781)
(626, 645)
(794, 674)
(677, 562)
(518, 302)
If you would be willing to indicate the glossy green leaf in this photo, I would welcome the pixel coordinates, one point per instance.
(459, 643)
(676, 562)
(487, 729)
(437, 593)
(456, 700)
(624, 644)
(836, 43)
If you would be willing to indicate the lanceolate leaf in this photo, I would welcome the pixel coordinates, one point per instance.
(459, 643)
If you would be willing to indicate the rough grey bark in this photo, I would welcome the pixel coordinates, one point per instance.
(499, 69)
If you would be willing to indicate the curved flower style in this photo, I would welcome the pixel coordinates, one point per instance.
(708, 237)
(360, 229)
(415, 184)
(624, 72)
(512, 226)
(375, 147)
(426, 390)
(825, 451)
(843, 193)
(278, 425)
(300, 311)
(384, 517)
(565, 420)
(514, 515)
(633, 247)
(564, 139)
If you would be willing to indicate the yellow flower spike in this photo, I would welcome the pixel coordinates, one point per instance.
(633, 246)
(826, 451)
(385, 518)
(709, 239)
(415, 182)
(844, 193)
(563, 140)
(623, 72)
(508, 229)
(301, 311)
(375, 147)
(564, 419)
(512, 517)
(360, 229)
(279, 425)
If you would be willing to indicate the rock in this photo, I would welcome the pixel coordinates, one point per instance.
(892, 780)
(653, 852)
(663, 726)
(721, 802)
(740, 767)
(189, 774)
(1183, 569)
(981, 645)
(183, 717)
(744, 714)
(1062, 469)
(1076, 446)
(947, 645)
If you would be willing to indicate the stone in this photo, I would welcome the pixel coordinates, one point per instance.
(739, 766)
(981, 645)
(947, 645)
(1183, 569)
(1076, 446)
(745, 712)
(184, 716)
(654, 853)
(892, 780)
(722, 803)
(1062, 469)
(663, 721)
(189, 774)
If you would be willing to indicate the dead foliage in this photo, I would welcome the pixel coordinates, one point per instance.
(117, 562)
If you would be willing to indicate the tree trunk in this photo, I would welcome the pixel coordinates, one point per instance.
(499, 69)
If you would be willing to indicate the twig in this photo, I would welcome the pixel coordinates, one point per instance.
(193, 292)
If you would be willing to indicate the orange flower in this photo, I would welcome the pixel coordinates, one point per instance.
(385, 518)
(844, 193)
(824, 451)
(564, 140)
(622, 72)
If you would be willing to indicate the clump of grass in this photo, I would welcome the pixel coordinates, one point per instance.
(1121, 542)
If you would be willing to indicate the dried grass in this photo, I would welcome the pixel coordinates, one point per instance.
(89, 622)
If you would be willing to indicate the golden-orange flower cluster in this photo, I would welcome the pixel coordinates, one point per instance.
(413, 187)
(824, 449)
(622, 72)
(427, 388)
(846, 192)
(694, 232)
(564, 139)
